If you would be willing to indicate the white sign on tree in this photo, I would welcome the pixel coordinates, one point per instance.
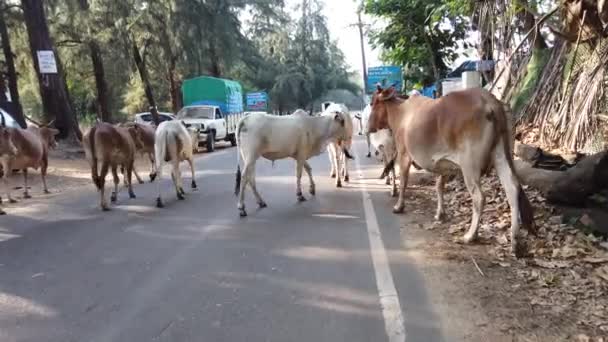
(46, 62)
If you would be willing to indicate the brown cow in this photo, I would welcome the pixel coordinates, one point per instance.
(467, 130)
(110, 147)
(143, 136)
(32, 146)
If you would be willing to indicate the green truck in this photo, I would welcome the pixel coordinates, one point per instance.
(214, 106)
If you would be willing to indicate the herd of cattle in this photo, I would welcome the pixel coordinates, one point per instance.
(467, 131)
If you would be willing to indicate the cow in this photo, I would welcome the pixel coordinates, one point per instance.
(174, 143)
(110, 147)
(296, 136)
(384, 144)
(338, 148)
(32, 147)
(466, 130)
(7, 148)
(143, 136)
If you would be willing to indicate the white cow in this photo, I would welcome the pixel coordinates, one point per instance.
(174, 143)
(338, 147)
(296, 136)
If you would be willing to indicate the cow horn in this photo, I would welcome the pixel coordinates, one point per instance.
(50, 123)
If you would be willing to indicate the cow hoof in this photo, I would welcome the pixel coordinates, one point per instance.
(113, 198)
(301, 198)
(159, 203)
(312, 191)
(181, 190)
(398, 209)
(12, 200)
(152, 177)
(339, 185)
(394, 193)
(27, 196)
(469, 238)
(105, 209)
(0, 200)
(194, 186)
(439, 217)
(140, 181)
(46, 191)
(132, 195)
(262, 205)
(333, 175)
(369, 155)
(242, 212)
(2, 212)
(346, 178)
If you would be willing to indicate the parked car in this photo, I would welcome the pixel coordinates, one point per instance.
(10, 122)
(146, 117)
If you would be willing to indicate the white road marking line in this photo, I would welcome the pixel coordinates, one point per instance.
(389, 299)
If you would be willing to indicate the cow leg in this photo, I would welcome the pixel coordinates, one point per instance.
(43, 168)
(6, 166)
(313, 186)
(512, 187)
(247, 176)
(369, 146)
(102, 185)
(299, 168)
(114, 196)
(139, 180)
(153, 168)
(394, 180)
(337, 154)
(332, 156)
(439, 186)
(345, 167)
(26, 193)
(159, 174)
(177, 180)
(472, 180)
(191, 163)
(406, 163)
(130, 171)
(254, 189)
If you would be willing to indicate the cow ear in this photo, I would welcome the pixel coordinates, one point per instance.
(387, 94)
(378, 87)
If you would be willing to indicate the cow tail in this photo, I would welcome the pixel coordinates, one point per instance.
(237, 182)
(503, 130)
(94, 171)
(160, 150)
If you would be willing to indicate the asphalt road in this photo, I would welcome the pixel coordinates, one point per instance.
(329, 269)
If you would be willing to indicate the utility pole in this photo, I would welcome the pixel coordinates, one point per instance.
(360, 26)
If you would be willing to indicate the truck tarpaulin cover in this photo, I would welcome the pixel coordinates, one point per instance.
(204, 90)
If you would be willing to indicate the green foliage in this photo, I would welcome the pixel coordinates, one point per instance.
(292, 59)
(420, 35)
(534, 71)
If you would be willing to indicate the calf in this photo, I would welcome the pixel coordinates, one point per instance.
(278, 137)
(467, 130)
(32, 147)
(174, 143)
(338, 147)
(110, 147)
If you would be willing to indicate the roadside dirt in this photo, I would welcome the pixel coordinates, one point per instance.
(559, 292)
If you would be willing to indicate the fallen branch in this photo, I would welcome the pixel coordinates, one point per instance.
(477, 266)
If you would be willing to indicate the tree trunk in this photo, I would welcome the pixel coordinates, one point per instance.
(145, 79)
(429, 45)
(174, 87)
(103, 108)
(53, 87)
(11, 73)
(215, 68)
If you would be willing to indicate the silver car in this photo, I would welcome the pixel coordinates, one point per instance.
(146, 117)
